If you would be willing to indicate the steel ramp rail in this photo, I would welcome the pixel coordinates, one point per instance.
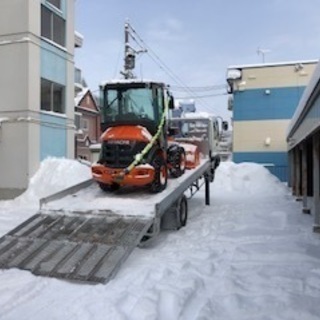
(87, 248)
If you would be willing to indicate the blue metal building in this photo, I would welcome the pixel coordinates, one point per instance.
(264, 99)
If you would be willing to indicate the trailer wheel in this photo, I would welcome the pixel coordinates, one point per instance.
(160, 180)
(177, 161)
(176, 216)
(182, 211)
(108, 187)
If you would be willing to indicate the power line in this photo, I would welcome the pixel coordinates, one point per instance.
(204, 96)
(165, 68)
(201, 88)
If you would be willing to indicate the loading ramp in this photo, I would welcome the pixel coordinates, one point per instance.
(85, 248)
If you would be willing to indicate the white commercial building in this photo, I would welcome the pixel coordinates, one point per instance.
(36, 87)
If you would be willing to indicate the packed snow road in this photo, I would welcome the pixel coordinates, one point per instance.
(250, 255)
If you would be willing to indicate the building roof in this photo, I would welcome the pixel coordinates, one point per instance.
(123, 81)
(271, 64)
(303, 105)
(80, 96)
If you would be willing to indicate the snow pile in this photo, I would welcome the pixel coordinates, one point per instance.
(54, 174)
(248, 179)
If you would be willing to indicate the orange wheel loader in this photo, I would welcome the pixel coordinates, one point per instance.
(135, 150)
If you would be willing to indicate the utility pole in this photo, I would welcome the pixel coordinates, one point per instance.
(129, 52)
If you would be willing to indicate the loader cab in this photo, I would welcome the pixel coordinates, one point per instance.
(132, 102)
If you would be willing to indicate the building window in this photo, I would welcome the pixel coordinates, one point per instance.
(53, 27)
(56, 3)
(52, 96)
(84, 124)
(77, 119)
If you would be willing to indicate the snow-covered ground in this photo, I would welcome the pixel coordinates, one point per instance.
(250, 255)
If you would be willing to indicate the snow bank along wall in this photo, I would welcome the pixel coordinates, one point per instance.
(303, 137)
(36, 87)
(264, 98)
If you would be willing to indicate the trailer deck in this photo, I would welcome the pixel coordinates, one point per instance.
(68, 240)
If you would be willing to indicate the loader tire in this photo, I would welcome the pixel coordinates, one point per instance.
(108, 187)
(177, 161)
(160, 180)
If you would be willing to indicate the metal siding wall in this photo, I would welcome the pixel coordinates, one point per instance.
(277, 76)
(53, 136)
(255, 104)
(275, 162)
(250, 136)
(310, 122)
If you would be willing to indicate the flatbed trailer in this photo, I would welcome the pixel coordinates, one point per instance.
(76, 243)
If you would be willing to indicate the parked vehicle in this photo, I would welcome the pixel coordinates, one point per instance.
(135, 149)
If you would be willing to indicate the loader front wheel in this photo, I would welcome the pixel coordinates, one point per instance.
(177, 161)
(108, 187)
(160, 180)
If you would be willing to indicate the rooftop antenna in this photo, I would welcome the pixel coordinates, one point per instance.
(129, 52)
(263, 52)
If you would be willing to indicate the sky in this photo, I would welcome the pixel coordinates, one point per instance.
(250, 255)
(197, 40)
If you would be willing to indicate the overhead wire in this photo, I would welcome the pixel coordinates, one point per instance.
(204, 96)
(203, 88)
(163, 66)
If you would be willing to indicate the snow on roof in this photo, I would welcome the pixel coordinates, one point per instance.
(80, 96)
(135, 80)
(198, 115)
(78, 34)
(78, 39)
(313, 83)
(271, 64)
(185, 101)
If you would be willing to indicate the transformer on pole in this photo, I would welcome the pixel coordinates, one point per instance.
(129, 52)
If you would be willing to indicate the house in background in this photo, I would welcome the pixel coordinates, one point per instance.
(87, 115)
(37, 88)
(263, 100)
(87, 121)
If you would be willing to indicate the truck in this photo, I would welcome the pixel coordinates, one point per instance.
(203, 131)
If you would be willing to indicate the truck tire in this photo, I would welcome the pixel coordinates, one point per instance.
(176, 161)
(182, 212)
(160, 180)
(176, 216)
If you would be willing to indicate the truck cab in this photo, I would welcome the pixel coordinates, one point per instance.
(202, 131)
